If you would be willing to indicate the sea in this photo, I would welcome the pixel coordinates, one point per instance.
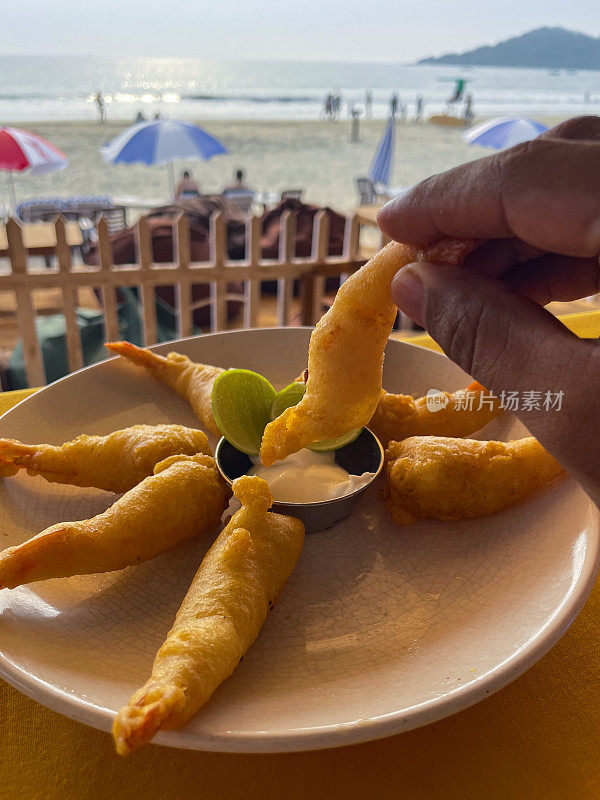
(44, 88)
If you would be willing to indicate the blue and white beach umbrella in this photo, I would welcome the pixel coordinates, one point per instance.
(380, 170)
(504, 132)
(162, 141)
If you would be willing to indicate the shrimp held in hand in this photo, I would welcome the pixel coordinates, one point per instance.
(236, 585)
(345, 356)
(444, 478)
(399, 416)
(184, 498)
(194, 382)
(116, 462)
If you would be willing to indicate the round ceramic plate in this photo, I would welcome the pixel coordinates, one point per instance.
(379, 629)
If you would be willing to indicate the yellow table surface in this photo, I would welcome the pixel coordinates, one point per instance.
(368, 214)
(537, 738)
(41, 234)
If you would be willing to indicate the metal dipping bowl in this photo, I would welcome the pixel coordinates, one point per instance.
(364, 454)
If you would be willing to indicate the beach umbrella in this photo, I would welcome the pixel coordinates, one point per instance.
(162, 141)
(380, 170)
(22, 151)
(504, 132)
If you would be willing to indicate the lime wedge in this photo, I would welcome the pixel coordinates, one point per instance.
(290, 396)
(335, 444)
(241, 405)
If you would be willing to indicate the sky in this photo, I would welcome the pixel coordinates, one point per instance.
(322, 30)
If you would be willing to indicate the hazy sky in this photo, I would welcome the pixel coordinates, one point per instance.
(324, 30)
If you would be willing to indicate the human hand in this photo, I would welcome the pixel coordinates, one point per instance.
(537, 206)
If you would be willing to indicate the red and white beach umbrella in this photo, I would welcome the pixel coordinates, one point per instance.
(22, 150)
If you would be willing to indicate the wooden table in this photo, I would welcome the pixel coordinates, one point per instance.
(585, 305)
(368, 214)
(40, 239)
(536, 739)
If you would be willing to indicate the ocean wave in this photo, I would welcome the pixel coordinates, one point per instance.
(31, 96)
(155, 97)
(484, 97)
(224, 98)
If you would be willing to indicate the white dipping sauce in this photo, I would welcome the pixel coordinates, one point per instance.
(308, 477)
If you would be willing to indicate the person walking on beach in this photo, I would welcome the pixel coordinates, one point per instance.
(187, 187)
(535, 208)
(101, 106)
(368, 104)
(336, 105)
(329, 106)
(394, 100)
(459, 89)
(419, 108)
(469, 115)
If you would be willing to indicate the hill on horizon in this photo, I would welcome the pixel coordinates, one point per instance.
(549, 48)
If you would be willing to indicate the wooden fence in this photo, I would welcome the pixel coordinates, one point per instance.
(23, 279)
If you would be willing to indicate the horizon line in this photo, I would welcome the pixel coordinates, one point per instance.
(265, 60)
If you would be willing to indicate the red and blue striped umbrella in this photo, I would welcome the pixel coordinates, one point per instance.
(22, 151)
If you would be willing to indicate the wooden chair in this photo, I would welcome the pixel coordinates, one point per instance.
(367, 195)
(291, 194)
(242, 199)
(370, 193)
(73, 208)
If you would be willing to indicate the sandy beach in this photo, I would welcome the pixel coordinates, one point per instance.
(316, 156)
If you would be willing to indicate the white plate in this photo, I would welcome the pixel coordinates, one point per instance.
(380, 629)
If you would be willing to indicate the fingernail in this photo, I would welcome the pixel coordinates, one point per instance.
(409, 294)
(387, 207)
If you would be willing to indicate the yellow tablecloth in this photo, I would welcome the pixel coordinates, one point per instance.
(538, 738)
(42, 236)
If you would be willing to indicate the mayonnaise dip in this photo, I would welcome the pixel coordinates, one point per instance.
(308, 477)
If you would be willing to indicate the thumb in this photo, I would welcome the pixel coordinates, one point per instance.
(510, 344)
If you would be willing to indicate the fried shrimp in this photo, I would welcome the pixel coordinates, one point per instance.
(399, 416)
(345, 356)
(184, 498)
(236, 585)
(116, 462)
(194, 382)
(449, 479)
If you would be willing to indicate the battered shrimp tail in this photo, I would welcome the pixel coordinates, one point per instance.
(475, 387)
(150, 709)
(14, 455)
(138, 355)
(192, 381)
(20, 563)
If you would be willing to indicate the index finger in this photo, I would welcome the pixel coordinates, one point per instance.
(585, 128)
(545, 192)
(463, 202)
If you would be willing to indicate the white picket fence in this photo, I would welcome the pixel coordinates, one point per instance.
(24, 279)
